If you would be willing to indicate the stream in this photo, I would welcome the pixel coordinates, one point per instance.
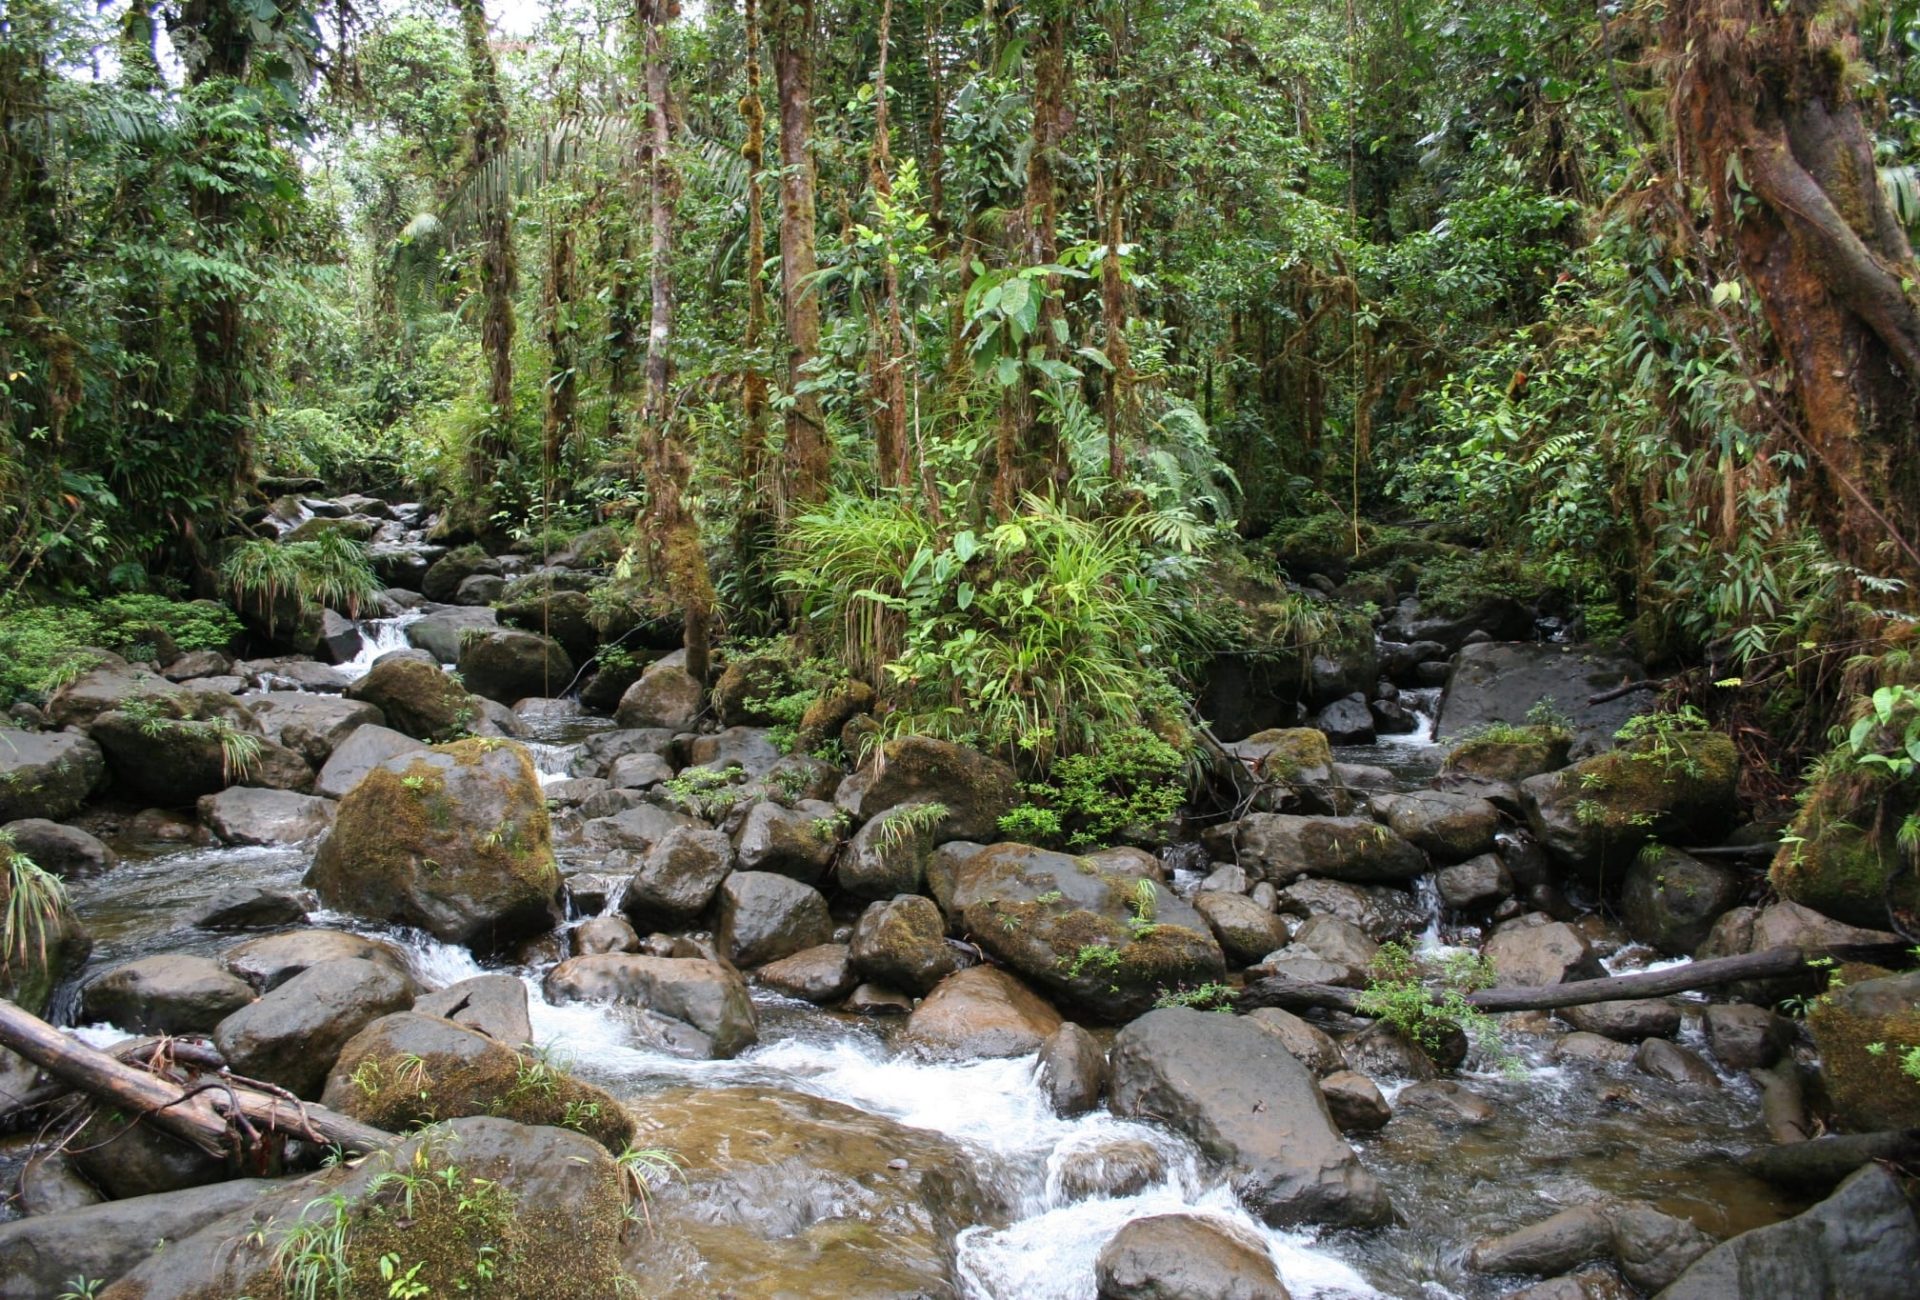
(1561, 1133)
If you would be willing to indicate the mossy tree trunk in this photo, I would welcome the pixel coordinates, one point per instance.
(807, 454)
(499, 272)
(760, 489)
(886, 380)
(1767, 118)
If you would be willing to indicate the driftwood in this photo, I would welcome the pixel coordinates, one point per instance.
(1625, 688)
(213, 1113)
(1298, 995)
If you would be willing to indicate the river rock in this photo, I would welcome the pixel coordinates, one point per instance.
(799, 842)
(637, 829)
(1246, 931)
(1311, 1047)
(1653, 1248)
(292, 1035)
(602, 934)
(1675, 1064)
(442, 630)
(871, 999)
(50, 1183)
(1347, 721)
(889, 854)
(171, 759)
(903, 942)
(707, 997)
(496, 1005)
(66, 851)
(124, 1156)
(1555, 1244)
(1626, 1021)
(1095, 934)
(639, 771)
(981, 1012)
(1382, 1052)
(362, 751)
(1447, 1103)
(509, 665)
(764, 917)
(1355, 1102)
(1450, 827)
(1106, 1167)
(41, 1255)
(1745, 1037)
(269, 962)
(1856, 1245)
(453, 840)
(679, 876)
(1186, 1257)
(835, 1202)
(1381, 911)
(1869, 1089)
(1534, 950)
(109, 686)
(665, 696)
(1242, 1097)
(1479, 882)
(1071, 1070)
(1281, 847)
(1670, 899)
(47, 774)
(821, 974)
(165, 995)
(563, 1236)
(418, 699)
(567, 616)
(1597, 815)
(1505, 681)
(977, 791)
(1583, 1046)
(247, 815)
(443, 578)
(250, 907)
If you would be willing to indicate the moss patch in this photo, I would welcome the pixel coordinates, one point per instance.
(1868, 1090)
(1840, 857)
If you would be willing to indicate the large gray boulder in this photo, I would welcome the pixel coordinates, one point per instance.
(1281, 847)
(64, 850)
(454, 840)
(249, 815)
(358, 754)
(1504, 681)
(798, 842)
(1237, 1092)
(313, 726)
(1596, 816)
(764, 917)
(47, 774)
(291, 1036)
(509, 665)
(441, 632)
(496, 1005)
(665, 696)
(165, 995)
(269, 962)
(1861, 1243)
(888, 855)
(40, 1256)
(981, 1012)
(109, 687)
(1449, 827)
(1186, 1257)
(678, 876)
(1097, 933)
(418, 699)
(708, 1003)
(977, 791)
(1671, 899)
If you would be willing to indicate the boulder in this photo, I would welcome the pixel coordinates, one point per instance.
(903, 942)
(165, 995)
(358, 754)
(566, 616)
(1650, 1248)
(764, 917)
(1505, 681)
(510, 665)
(249, 815)
(1449, 827)
(639, 771)
(542, 1209)
(1241, 1097)
(1744, 1037)
(981, 1012)
(47, 774)
(602, 934)
(1627, 1021)
(496, 1005)
(830, 711)
(1104, 937)
(1381, 912)
(1534, 950)
(1186, 1257)
(1246, 931)
(269, 962)
(1670, 899)
(443, 578)
(1510, 757)
(291, 1036)
(171, 761)
(746, 689)
(1843, 856)
(1856, 1245)
(66, 851)
(1675, 1064)
(1869, 1089)
(1310, 1046)
(821, 974)
(40, 1256)
(679, 875)
(889, 854)
(1071, 1070)
(799, 842)
(638, 829)
(708, 1003)
(1355, 1102)
(408, 1069)
(1479, 882)
(1447, 1103)
(977, 791)
(665, 696)
(1347, 721)
(1106, 1167)
(1597, 815)
(108, 687)
(250, 907)
(453, 840)
(1281, 847)
(441, 632)
(418, 699)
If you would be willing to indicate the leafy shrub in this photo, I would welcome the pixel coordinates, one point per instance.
(1133, 781)
(276, 579)
(1457, 584)
(1428, 1011)
(42, 647)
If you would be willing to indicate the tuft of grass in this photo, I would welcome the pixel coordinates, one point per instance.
(331, 571)
(36, 905)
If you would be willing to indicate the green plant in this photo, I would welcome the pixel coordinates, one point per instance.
(1662, 737)
(901, 825)
(1032, 824)
(1131, 783)
(36, 907)
(81, 1287)
(1428, 1010)
(311, 1257)
(402, 1286)
(1092, 957)
(706, 792)
(639, 1167)
(331, 571)
(1202, 997)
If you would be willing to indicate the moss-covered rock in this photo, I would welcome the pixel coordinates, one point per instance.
(1841, 856)
(1294, 755)
(1596, 815)
(406, 1069)
(1090, 932)
(976, 790)
(453, 839)
(828, 713)
(902, 943)
(1867, 1085)
(420, 699)
(512, 665)
(481, 1204)
(1670, 900)
(1514, 754)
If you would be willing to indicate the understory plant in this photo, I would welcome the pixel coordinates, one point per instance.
(1134, 781)
(1429, 1007)
(282, 580)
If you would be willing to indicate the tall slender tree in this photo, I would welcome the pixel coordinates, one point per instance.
(499, 271)
(886, 380)
(807, 454)
(759, 475)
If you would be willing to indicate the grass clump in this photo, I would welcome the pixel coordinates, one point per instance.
(290, 580)
(35, 917)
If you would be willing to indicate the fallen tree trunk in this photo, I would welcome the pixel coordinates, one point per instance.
(211, 1114)
(1298, 995)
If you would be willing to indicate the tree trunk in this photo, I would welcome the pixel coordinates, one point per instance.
(807, 453)
(499, 274)
(562, 293)
(1766, 118)
(673, 535)
(887, 383)
(760, 485)
(1113, 311)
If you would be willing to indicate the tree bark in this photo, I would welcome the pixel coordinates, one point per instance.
(562, 294)
(499, 273)
(807, 454)
(886, 384)
(200, 1117)
(760, 479)
(1766, 119)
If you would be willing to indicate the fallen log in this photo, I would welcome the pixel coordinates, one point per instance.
(1298, 995)
(211, 1114)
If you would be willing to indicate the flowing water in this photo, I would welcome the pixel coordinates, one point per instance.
(1561, 1133)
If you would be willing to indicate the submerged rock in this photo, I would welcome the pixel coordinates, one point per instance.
(707, 1001)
